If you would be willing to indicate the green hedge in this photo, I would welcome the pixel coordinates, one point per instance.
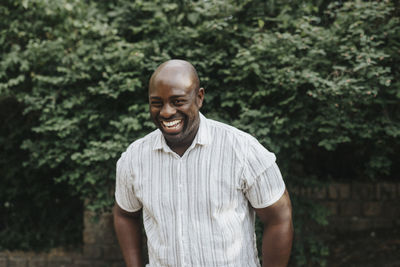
(34, 210)
(315, 81)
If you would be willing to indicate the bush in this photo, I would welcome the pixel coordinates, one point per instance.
(316, 82)
(33, 209)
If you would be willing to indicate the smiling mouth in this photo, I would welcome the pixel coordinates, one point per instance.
(172, 126)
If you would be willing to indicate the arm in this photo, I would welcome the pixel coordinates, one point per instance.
(278, 232)
(129, 233)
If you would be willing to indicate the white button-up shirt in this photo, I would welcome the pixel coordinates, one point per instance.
(197, 209)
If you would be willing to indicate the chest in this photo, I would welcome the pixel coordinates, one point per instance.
(206, 180)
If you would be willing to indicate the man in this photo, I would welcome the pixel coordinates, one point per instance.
(198, 183)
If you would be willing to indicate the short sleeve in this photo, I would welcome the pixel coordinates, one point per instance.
(124, 191)
(267, 188)
(263, 180)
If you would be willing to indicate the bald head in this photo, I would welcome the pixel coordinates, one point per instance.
(175, 71)
(174, 102)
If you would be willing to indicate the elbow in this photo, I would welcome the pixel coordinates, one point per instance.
(118, 212)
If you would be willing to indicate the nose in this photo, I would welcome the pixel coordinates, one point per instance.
(167, 111)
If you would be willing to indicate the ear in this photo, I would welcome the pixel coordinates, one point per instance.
(200, 97)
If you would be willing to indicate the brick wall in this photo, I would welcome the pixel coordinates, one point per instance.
(358, 206)
(100, 249)
(353, 206)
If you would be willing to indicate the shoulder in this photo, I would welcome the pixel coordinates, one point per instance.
(232, 139)
(246, 146)
(147, 140)
(142, 144)
(222, 130)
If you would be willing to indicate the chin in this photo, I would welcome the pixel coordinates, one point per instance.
(175, 139)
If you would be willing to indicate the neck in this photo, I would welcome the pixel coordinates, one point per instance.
(181, 147)
(180, 150)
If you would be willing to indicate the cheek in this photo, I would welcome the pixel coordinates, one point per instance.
(153, 114)
(153, 110)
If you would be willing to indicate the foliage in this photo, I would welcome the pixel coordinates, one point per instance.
(315, 81)
(34, 210)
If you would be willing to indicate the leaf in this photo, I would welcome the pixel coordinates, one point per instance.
(193, 17)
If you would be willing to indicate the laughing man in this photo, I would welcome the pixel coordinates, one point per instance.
(198, 184)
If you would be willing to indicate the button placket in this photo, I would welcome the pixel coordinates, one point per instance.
(180, 213)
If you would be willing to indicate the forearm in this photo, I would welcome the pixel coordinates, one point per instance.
(129, 234)
(277, 244)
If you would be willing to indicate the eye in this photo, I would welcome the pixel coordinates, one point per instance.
(178, 102)
(156, 103)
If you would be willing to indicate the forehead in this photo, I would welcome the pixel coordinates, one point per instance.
(172, 81)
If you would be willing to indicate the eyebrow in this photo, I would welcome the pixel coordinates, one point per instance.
(159, 98)
(176, 96)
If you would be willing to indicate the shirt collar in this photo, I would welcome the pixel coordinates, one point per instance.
(202, 137)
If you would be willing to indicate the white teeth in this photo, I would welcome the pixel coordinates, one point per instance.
(171, 123)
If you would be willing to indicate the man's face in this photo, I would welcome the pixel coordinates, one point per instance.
(174, 107)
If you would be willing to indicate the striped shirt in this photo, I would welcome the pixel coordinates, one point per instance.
(197, 208)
